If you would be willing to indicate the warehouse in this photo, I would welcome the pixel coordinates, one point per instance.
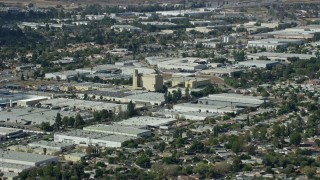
(154, 60)
(31, 102)
(146, 121)
(28, 159)
(100, 69)
(50, 145)
(64, 75)
(37, 115)
(11, 99)
(125, 96)
(7, 133)
(194, 116)
(84, 105)
(258, 63)
(191, 82)
(200, 23)
(118, 130)
(183, 64)
(216, 109)
(233, 100)
(128, 28)
(149, 98)
(222, 72)
(14, 168)
(274, 44)
(91, 138)
(160, 24)
(279, 56)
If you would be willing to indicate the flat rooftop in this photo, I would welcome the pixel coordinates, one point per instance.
(49, 144)
(232, 96)
(23, 156)
(188, 115)
(235, 99)
(183, 79)
(117, 94)
(83, 104)
(142, 121)
(14, 166)
(115, 129)
(281, 55)
(258, 62)
(14, 97)
(36, 115)
(212, 107)
(7, 131)
(274, 40)
(149, 96)
(95, 135)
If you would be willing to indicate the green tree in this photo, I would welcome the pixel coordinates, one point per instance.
(65, 121)
(131, 109)
(45, 126)
(187, 93)
(237, 164)
(78, 121)
(58, 121)
(22, 77)
(143, 161)
(295, 138)
(317, 141)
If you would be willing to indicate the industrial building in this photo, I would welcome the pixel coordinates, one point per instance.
(149, 82)
(183, 64)
(13, 163)
(149, 98)
(77, 104)
(7, 133)
(28, 159)
(278, 56)
(129, 70)
(64, 75)
(118, 130)
(64, 60)
(191, 115)
(274, 44)
(125, 96)
(258, 63)
(200, 23)
(216, 109)
(222, 72)
(91, 138)
(190, 82)
(301, 32)
(146, 122)
(109, 68)
(128, 28)
(26, 116)
(31, 102)
(8, 99)
(233, 100)
(154, 60)
(74, 157)
(160, 24)
(51, 145)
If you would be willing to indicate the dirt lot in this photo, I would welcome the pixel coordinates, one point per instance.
(76, 3)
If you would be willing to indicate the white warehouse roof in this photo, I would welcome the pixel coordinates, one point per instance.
(142, 121)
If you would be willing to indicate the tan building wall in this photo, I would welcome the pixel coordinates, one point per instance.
(196, 83)
(191, 83)
(72, 158)
(136, 78)
(152, 82)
